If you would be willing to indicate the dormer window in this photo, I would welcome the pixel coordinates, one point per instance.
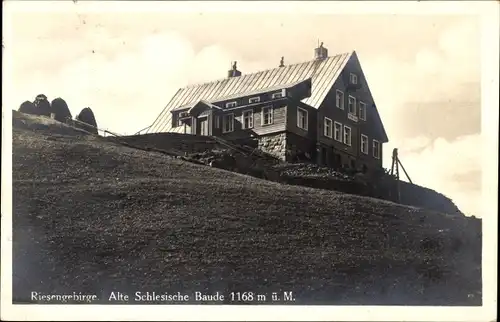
(353, 78)
(277, 95)
(231, 104)
(254, 100)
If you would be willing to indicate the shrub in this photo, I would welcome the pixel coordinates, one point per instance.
(27, 107)
(87, 116)
(42, 105)
(60, 109)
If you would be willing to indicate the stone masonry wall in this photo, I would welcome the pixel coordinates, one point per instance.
(274, 144)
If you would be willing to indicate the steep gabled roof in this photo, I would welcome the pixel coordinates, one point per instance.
(323, 74)
(378, 124)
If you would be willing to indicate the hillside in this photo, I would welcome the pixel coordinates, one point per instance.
(94, 216)
(236, 158)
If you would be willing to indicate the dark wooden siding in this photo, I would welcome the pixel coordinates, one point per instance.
(278, 125)
(329, 109)
(292, 125)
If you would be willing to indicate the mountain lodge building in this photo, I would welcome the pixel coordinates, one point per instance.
(321, 110)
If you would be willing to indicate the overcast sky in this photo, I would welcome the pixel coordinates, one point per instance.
(423, 71)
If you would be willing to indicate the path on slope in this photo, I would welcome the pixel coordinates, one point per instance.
(97, 216)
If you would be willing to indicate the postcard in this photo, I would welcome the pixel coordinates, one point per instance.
(294, 161)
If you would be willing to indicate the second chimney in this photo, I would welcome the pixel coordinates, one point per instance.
(233, 72)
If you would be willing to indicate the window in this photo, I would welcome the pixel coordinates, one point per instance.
(230, 104)
(217, 122)
(347, 135)
(277, 95)
(228, 123)
(376, 149)
(267, 115)
(362, 111)
(337, 132)
(302, 118)
(339, 100)
(248, 119)
(364, 144)
(353, 78)
(178, 118)
(351, 106)
(254, 100)
(328, 131)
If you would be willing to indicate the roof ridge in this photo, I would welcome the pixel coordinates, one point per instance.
(323, 72)
(263, 70)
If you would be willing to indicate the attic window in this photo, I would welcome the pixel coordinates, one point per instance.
(353, 78)
(231, 104)
(277, 95)
(254, 100)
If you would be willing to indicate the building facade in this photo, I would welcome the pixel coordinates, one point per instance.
(320, 110)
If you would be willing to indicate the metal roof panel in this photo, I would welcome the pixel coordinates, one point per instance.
(322, 73)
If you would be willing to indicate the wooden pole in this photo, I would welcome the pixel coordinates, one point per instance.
(395, 163)
(394, 156)
(399, 161)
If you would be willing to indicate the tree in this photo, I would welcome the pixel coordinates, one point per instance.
(27, 107)
(42, 105)
(60, 109)
(87, 116)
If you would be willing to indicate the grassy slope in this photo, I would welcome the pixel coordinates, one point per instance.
(93, 216)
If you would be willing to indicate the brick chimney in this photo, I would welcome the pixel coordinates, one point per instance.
(320, 52)
(233, 72)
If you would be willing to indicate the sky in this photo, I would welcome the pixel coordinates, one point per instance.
(424, 72)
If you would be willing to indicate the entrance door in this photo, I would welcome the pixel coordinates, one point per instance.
(204, 126)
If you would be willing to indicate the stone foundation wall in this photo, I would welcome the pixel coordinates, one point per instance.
(274, 144)
(287, 146)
